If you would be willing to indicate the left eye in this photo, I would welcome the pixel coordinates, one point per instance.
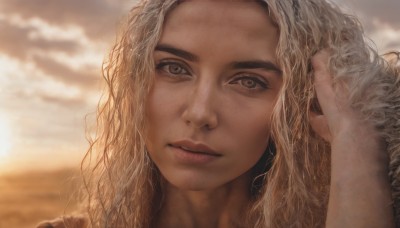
(250, 82)
(172, 68)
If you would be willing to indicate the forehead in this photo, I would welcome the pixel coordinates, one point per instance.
(225, 25)
(242, 15)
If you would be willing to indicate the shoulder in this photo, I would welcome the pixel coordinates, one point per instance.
(76, 221)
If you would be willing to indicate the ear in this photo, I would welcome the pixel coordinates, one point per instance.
(320, 126)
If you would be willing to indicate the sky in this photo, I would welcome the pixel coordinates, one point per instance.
(51, 53)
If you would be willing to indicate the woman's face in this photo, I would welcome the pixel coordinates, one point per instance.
(216, 83)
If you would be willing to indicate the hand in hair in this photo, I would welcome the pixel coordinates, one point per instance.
(360, 194)
(65, 222)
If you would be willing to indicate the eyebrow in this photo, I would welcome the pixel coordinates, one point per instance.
(257, 64)
(176, 51)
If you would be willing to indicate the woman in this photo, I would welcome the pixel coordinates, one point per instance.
(243, 114)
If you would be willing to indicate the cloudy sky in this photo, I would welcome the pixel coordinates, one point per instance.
(51, 53)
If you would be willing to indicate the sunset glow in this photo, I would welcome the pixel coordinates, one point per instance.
(50, 71)
(51, 81)
(5, 138)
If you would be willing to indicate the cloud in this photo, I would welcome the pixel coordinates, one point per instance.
(374, 14)
(17, 42)
(88, 78)
(380, 20)
(46, 34)
(386, 12)
(27, 44)
(46, 98)
(63, 101)
(96, 17)
(394, 45)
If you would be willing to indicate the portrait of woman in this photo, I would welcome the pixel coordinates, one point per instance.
(243, 114)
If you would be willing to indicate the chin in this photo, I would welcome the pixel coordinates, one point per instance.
(193, 183)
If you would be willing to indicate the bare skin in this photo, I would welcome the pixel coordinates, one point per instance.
(360, 191)
(360, 194)
(223, 207)
(216, 84)
(204, 99)
(215, 194)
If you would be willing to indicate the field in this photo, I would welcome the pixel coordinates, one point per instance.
(26, 199)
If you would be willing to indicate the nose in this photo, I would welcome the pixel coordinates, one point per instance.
(200, 111)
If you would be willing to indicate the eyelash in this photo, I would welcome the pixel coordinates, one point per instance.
(165, 67)
(259, 84)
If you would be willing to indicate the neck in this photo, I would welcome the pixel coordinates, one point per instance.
(225, 206)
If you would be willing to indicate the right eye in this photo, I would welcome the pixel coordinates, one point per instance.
(172, 68)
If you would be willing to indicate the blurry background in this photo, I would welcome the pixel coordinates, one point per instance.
(51, 53)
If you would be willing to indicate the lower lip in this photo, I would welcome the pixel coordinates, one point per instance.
(191, 157)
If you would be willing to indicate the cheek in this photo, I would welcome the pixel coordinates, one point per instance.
(163, 101)
(161, 110)
(254, 141)
(251, 126)
(152, 118)
(258, 141)
(250, 137)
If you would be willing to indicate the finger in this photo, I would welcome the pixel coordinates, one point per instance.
(319, 124)
(323, 82)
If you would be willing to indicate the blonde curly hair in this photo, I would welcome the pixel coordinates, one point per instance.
(123, 186)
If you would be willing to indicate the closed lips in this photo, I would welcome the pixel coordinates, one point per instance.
(194, 148)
